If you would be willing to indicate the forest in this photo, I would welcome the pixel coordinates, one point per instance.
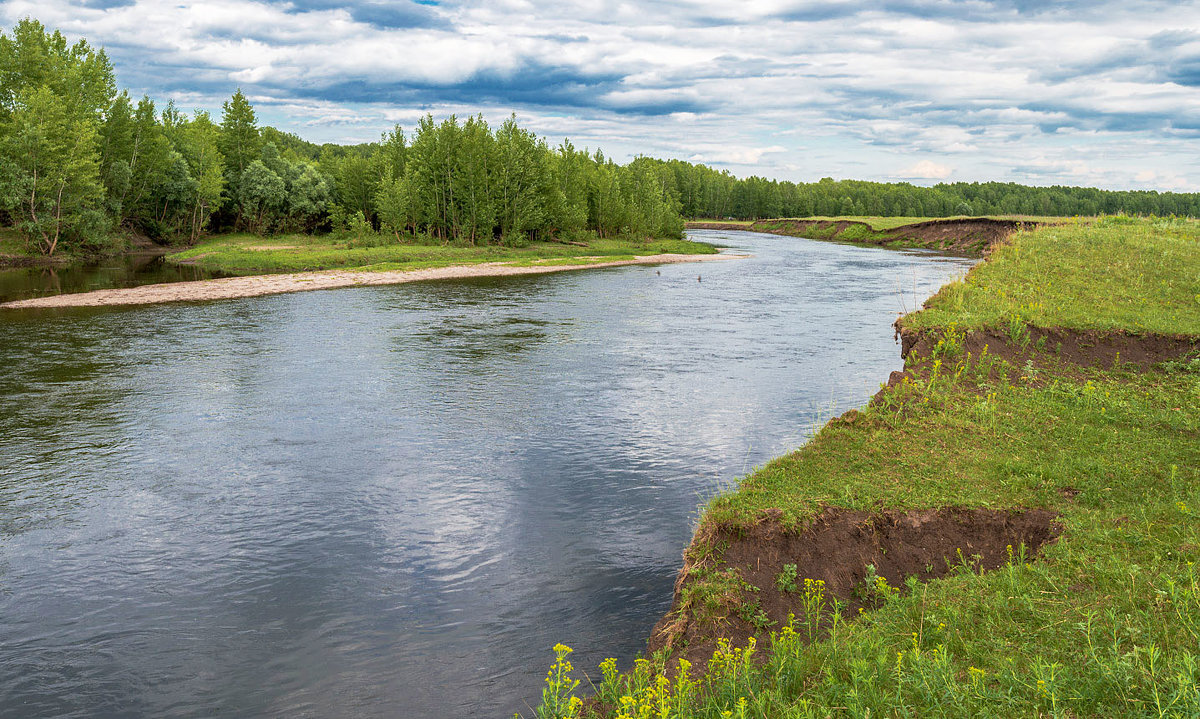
(84, 166)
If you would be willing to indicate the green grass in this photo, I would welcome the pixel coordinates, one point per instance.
(12, 242)
(248, 254)
(1115, 273)
(1106, 622)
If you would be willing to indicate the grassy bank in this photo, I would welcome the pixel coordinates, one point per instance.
(970, 235)
(243, 254)
(1116, 273)
(1104, 621)
(16, 251)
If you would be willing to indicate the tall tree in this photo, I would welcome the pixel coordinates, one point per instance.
(240, 145)
(51, 171)
(521, 170)
(200, 142)
(51, 101)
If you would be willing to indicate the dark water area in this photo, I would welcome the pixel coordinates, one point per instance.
(393, 501)
(120, 271)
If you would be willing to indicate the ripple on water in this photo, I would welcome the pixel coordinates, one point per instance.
(349, 502)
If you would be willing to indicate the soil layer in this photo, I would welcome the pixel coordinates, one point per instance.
(1085, 348)
(837, 548)
(971, 235)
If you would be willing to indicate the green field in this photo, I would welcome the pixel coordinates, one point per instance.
(243, 254)
(1114, 273)
(1104, 622)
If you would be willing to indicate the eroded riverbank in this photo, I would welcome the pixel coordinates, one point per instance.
(1008, 527)
(971, 235)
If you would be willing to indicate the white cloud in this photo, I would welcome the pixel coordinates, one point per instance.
(1165, 181)
(773, 87)
(925, 170)
(735, 155)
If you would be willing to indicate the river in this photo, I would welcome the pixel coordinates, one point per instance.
(392, 501)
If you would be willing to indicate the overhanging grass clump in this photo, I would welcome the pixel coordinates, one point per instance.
(1104, 621)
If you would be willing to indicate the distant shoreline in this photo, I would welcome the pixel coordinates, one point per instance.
(259, 285)
(968, 235)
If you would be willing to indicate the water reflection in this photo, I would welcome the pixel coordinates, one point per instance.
(393, 500)
(124, 271)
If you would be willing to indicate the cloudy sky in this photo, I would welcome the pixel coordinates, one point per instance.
(1081, 92)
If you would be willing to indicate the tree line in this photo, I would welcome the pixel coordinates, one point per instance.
(78, 160)
(82, 164)
(709, 193)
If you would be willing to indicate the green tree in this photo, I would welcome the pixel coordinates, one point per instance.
(240, 145)
(262, 194)
(200, 142)
(521, 174)
(52, 96)
(572, 170)
(472, 179)
(394, 200)
(52, 171)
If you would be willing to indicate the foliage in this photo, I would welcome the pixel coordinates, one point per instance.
(707, 193)
(51, 99)
(77, 158)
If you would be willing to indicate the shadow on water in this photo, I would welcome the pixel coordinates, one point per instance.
(393, 501)
(122, 271)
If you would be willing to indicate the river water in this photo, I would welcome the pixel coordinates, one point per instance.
(120, 271)
(392, 501)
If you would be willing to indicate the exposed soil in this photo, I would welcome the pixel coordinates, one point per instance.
(716, 225)
(836, 548)
(231, 287)
(1086, 348)
(971, 236)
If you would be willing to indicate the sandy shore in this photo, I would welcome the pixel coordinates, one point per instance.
(231, 287)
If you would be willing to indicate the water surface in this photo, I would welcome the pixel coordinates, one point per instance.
(121, 271)
(392, 501)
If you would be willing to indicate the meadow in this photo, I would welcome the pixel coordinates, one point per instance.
(245, 254)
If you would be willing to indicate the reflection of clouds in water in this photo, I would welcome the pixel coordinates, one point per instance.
(357, 494)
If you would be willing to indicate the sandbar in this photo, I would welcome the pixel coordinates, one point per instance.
(256, 285)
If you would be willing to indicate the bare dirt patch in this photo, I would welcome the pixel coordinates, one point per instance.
(1085, 348)
(975, 235)
(971, 235)
(837, 548)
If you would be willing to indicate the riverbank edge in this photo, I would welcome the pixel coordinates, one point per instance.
(759, 548)
(272, 284)
(972, 235)
(839, 542)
